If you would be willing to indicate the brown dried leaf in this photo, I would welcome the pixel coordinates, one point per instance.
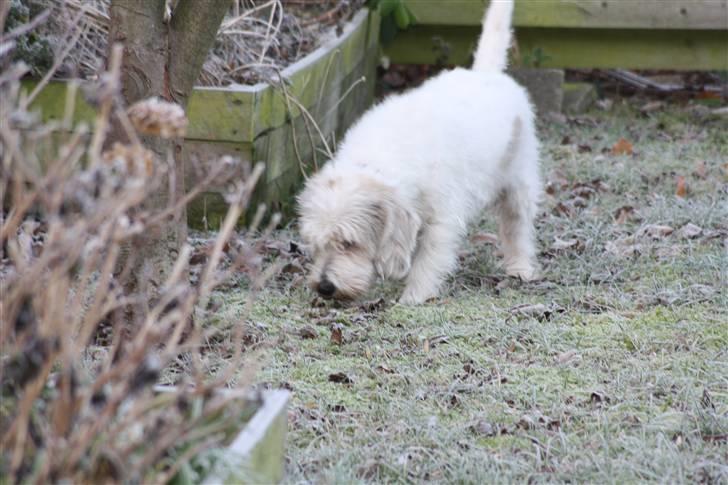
(340, 378)
(656, 231)
(337, 334)
(681, 189)
(308, 332)
(372, 306)
(562, 245)
(622, 147)
(385, 369)
(539, 311)
(623, 248)
(700, 171)
(690, 231)
(562, 209)
(623, 214)
(599, 398)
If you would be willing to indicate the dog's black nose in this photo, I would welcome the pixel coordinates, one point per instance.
(326, 288)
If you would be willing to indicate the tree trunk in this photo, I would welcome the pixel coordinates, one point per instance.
(164, 60)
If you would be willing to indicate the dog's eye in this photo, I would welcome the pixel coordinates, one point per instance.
(347, 245)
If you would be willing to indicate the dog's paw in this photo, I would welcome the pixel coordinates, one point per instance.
(524, 273)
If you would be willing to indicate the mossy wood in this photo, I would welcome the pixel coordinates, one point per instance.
(649, 34)
(334, 85)
(261, 444)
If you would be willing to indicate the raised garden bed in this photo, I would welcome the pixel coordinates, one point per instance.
(281, 125)
(256, 453)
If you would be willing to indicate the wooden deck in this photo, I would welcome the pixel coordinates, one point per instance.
(647, 34)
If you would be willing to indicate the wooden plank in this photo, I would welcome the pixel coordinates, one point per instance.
(598, 14)
(576, 48)
(649, 49)
(51, 102)
(222, 114)
(308, 80)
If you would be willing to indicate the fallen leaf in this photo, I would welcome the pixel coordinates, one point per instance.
(437, 340)
(623, 214)
(293, 267)
(337, 334)
(562, 209)
(562, 245)
(556, 183)
(668, 252)
(340, 378)
(567, 356)
(584, 148)
(198, 256)
(583, 190)
(598, 398)
(539, 311)
(656, 231)
(579, 202)
(483, 428)
(526, 422)
(372, 305)
(690, 231)
(700, 171)
(622, 147)
(682, 187)
(485, 238)
(652, 106)
(385, 369)
(623, 247)
(308, 332)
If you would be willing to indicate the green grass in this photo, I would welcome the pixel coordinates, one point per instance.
(625, 379)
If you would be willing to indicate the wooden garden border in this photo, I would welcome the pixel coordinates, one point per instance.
(334, 84)
(647, 34)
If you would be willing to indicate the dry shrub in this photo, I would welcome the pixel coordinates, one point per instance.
(82, 348)
(256, 39)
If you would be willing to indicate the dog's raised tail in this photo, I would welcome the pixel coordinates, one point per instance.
(492, 51)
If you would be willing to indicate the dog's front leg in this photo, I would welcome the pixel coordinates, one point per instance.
(435, 258)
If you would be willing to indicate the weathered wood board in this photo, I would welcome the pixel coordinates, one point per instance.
(584, 14)
(648, 34)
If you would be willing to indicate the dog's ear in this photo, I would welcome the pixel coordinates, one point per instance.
(398, 242)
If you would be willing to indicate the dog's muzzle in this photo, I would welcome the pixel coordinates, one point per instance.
(326, 288)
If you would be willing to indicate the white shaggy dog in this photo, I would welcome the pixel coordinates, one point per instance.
(416, 169)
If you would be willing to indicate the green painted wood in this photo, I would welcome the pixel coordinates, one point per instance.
(223, 114)
(598, 14)
(51, 102)
(576, 48)
(648, 49)
(311, 80)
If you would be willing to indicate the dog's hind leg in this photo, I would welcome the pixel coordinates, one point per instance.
(435, 258)
(516, 209)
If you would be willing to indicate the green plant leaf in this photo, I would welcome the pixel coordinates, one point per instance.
(401, 16)
(386, 7)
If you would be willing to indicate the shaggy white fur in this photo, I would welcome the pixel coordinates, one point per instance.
(416, 169)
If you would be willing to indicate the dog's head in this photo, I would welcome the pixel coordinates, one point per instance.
(356, 228)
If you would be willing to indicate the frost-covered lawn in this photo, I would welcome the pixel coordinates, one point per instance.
(613, 368)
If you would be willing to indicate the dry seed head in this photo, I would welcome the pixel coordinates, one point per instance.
(137, 159)
(158, 118)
